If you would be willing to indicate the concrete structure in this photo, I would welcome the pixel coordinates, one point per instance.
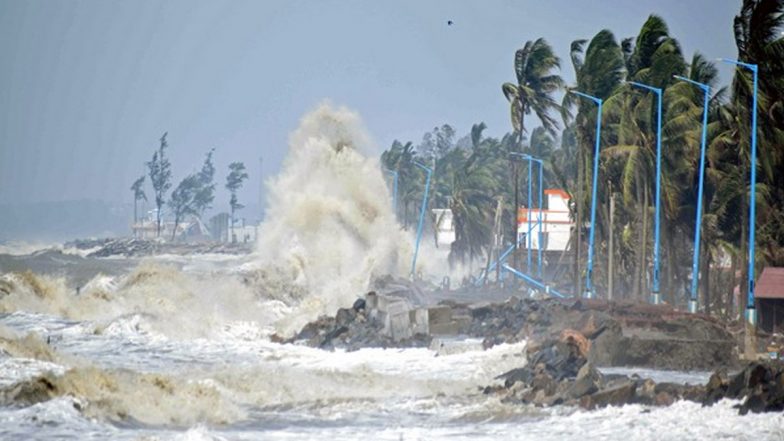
(556, 224)
(770, 299)
(445, 226)
(401, 320)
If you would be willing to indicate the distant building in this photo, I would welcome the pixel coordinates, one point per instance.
(444, 226)
(769, 293)
(556, 224)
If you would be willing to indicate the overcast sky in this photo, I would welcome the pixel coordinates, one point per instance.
(88, 87)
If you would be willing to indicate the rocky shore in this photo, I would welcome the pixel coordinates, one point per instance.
(618, 334)
(558, 372)
(568, 340)
(130, 247)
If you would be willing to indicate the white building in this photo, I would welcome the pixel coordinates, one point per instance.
(556, 224)
(444, 225)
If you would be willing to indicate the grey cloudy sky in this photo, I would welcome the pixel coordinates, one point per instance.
(88, 87)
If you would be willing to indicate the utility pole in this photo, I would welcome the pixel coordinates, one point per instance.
(499, 208)
(612, 251)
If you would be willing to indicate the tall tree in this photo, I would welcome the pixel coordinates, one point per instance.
(234, 181)
(534, 66)
(160, 176)
(138, 195)
(206, 190)
(599, 73)
(183, 199)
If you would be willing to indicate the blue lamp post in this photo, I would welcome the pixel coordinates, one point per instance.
(751, 312)
(655, 294)
(698, 222)
(540, 163)
(394, 188)
(589, 291)
(428, 172)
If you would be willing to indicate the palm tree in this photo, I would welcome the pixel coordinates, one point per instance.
(476, 180)
(599, 74)
(532, 93)
(400, 158)
(138, 195)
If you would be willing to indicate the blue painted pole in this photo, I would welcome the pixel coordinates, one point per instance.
(541, 215)
(589, 291)
(751, 312)
(695, 265)
(528, 236)
(655, 294)
(533, 282)
(428, 172)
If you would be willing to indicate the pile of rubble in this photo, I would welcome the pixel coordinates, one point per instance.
(559, 372)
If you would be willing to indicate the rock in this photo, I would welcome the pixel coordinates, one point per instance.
(646, 392)
(561, 360)
(345, 316)
(716, 389)
(588, 381)
(616, 396)
(359, 305)
(326, 342)
(523, 375)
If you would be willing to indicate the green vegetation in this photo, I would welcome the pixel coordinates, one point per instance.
(475, 172)
(234, 181)
(160, 176)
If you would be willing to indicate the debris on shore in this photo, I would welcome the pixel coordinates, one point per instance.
(558, 372)
(619, 334)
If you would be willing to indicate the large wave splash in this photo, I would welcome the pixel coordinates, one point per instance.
(330, 225)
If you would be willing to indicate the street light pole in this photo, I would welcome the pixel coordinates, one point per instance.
(540, 163)
(541, 217)
(751, 312)
(655, 294)
(589, 290)
(698, 222)
(428, 172)
(528, 238)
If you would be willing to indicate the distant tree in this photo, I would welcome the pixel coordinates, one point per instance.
(205, 194)
(183, 199)
(234, 180)
(138, 194)
(160, 176)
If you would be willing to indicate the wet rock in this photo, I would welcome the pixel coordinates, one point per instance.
(359, 305)
(615, 396)
(345, 316)
(588, 381)
(760, 384)
(560, 360)
(717, 386)
(326, 342)
(522, 375)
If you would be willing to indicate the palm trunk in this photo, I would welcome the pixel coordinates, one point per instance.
(176, 224)
(744, 254)
(158, 220)
(731, 290)
(706, 283)
(669, 279)
(639, 282)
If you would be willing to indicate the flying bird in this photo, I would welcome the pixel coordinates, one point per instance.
(449, 22)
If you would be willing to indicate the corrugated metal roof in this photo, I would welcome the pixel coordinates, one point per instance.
(770, 284)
